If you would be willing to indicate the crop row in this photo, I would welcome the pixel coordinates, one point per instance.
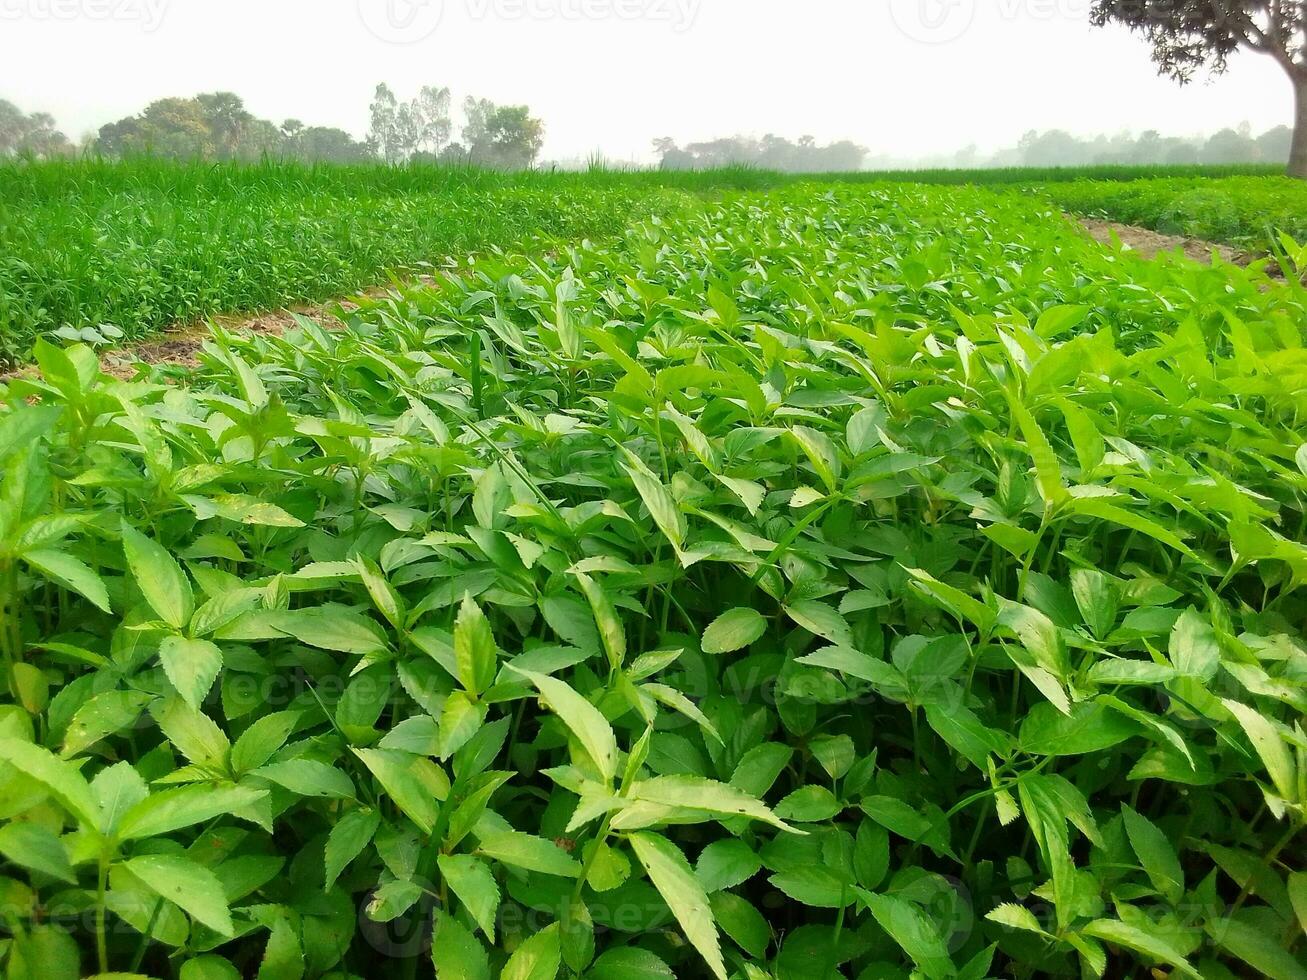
(141, 245)
(1248, 211)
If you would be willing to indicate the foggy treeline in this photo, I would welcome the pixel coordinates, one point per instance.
(772, 152)
(1059, 148)
(1051, 148)
(218, 126)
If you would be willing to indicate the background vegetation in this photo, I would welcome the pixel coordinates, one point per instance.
(142, 244)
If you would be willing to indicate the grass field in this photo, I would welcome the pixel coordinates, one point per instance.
(144, 245)
(815, 582)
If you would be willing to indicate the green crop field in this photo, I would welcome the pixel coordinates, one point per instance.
(145, 245)
(120, 250)
(795, 583)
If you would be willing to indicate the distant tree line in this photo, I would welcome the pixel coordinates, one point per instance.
(1057, 147)
(508, 137)
(770, 153)
(217, 126)
(33, 135)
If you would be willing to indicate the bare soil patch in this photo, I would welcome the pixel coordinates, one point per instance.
(1150, 244)
(180, 344)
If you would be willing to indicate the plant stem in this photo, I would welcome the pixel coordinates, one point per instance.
(11, 637)
(1274, 853)
(589, 861)
(101, 941)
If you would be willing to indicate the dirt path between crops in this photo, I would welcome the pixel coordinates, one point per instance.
(1151, 244)
(180, 344)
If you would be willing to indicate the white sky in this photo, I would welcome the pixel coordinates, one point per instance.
(903, 77)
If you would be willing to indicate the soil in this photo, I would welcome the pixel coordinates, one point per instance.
(179, 345)
(1150, 244)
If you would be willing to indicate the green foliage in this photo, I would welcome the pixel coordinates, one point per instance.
(1248, 211)
(835, 582)
(97, 251)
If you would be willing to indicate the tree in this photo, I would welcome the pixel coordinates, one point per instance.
(772, 152)
(255, 139)
(1054, 148)
(1230, 146)
(476, 121)
(291, 130)
(1188, 35)
(329, 144)
(35, 135)
(1275, 144)
(385, 134)
(169, 127)
(227, 119)
(402, 129)
(508, 136)
(431, 119)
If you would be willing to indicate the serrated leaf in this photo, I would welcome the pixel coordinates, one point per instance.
(60, 779)
(63, 569)
(733, 630)
(1270, 747)
(456, 953)
(174, 809)
(351, 834)
(191, 665)
(159, 577)
(913, 932)
(538, 958)
(190, 886)
(308, 777)
(611, 631)
(1154, 946)
(474, 648)
(680, 889)
(657, 500)
(474, 884)
(532, 853)
(37, 849)
(394, 771)
(1156, 854)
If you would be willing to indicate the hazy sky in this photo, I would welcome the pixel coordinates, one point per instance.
(903, 77)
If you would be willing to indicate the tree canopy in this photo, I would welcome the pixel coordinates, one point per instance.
(33, 134)
(772, 152)
(217, 126)
(1188, 36)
